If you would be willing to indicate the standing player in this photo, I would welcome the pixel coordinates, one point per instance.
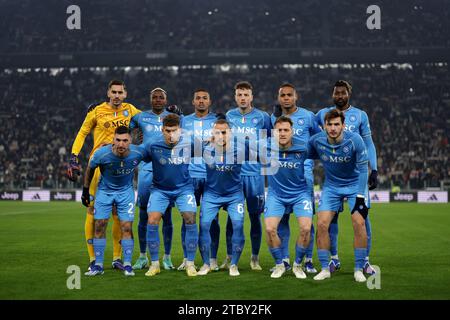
(356, 121)
(102, 120)
(150, 123)
(304, 126)
(344, 158)
(170, 156)
(199, 125)
(223, 189)
(116, 163)
(246, 120)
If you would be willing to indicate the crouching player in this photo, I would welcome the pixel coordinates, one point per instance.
(170, 156)
(223, 189)
(345, 161)
(288, 188)
(117, 163)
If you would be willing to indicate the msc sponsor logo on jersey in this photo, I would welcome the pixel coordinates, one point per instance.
(151, 127)
(223, 167)
(244, 130)
(351, 128)
(289, 164)
(336, 159)
(116, 123)
(297, 132)
(201, 133)
(178, 160)
(123, 171)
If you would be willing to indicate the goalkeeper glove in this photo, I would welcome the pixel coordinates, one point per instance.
(373, 180)
(86, 197)
(174, 109)
(360, 206)
(277, 111)
(73, 170)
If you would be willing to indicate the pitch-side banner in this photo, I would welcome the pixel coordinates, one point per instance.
(379, 196)
(78, 194)
(62, 196)
(11, 195)
(432, 196)
(38, 195)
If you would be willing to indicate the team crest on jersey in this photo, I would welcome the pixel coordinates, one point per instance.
(301, 122)
(106, 124)
(346, 149)
(163, 161)
(324, 157)
(149, 127)
(255, 121)
(298, 155)
(135, 162)
(352, 118)
(125, 113)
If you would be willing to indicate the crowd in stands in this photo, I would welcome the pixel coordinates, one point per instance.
(408, 107)
(154, 25)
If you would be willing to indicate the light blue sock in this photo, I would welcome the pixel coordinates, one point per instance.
(153, 241)
(369, 237)
(237, 240)
(99, 250)
(300, 252)
(360, 255)
(183, 238)
(191, 241)
(276, 254)
(205, 241)
(127, 247)
(310, 249)
(333, 231)
(284, 233)
(324, 258)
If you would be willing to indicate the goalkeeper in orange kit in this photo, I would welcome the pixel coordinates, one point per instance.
(102, 120)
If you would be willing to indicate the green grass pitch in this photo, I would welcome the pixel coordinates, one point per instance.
(40, 240)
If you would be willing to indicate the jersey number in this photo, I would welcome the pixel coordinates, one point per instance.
(240, 208)
(191, 200)
(307, 204)
(131, 209)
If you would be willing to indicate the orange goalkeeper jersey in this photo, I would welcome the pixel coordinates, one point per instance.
(103, 120)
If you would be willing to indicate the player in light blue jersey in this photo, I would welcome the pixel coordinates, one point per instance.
(304, 126)
(246, 120)
(150, 124)
(170, 156)
(199, 125)
(288, 191)
(356, 120)
(223, 189)
(117, 163)
(344, 158)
